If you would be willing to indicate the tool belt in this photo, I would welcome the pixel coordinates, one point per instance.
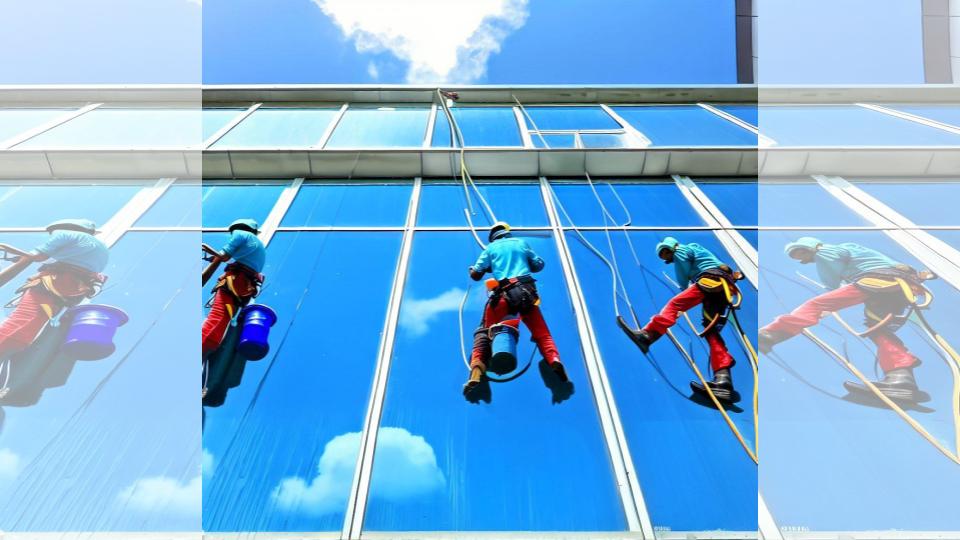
(893, 293)
(241, 281)
(720, 294)
(520, 294)
(71, 284)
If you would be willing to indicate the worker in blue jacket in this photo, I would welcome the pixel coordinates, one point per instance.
(705, 280)
(854, 275)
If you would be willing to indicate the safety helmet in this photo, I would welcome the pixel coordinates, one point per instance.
(81, 225)
(499, 230)
(804, 242)
(249, 225)
(669, 242)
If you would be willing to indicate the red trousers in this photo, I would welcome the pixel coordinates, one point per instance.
(891, 352)
(533, 319)
(222, 311)
(35, 308)
(691, 297)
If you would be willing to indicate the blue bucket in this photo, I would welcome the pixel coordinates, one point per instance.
(256, 320)
(503, 358)
(91, 331)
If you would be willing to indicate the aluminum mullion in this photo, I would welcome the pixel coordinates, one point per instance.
(330, 129)
(43, 128)
(943, 126)
(357, 500)
(431, 124)
(628, 486)
(524, 128)
(275, 217)
(646, 142)
(230, 125)
(766, 525)
(130, 213)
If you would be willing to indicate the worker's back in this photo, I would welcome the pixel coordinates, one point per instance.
(76, 248)
(507, 258)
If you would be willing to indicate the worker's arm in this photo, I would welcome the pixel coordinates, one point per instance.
(533, 260)
(830, 266)
(481, 267)
(683, 260)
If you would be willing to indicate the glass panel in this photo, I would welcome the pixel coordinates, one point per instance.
(381, 127)
(518, 463)
(790, 204)
(752, 236)
(668, 441)
(224, 203)
(125, 128)
(654, 204)
(356, 204)
(685, 125)
(846, 125)
(554, 141)
(570, 118)
(442, 205)
(16, 121)
(924, 203)
(813, 437)
(215, 119)
(123, 428)
(604, 140)
(747, 113)
(948, 114)
(178, 207)
(38, 205)
(737, 200)
(281, 128)
(282, 449)
(480, 126)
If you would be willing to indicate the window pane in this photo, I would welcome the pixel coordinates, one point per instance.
(570, 118)
(790, 204)
(16, 121)
(381, 127)
(923, 203)
(500, 462)
(737, 200)
(803, 409)
(555, 141)
(126, 129)
(115, 435)
(283, 446)
(222, 204)
(752, 236)
(178, 207)
(604, 140)
(38, 205)
(344, 205)
(948, 114)
(442, 205)
(685, 125)
(281, 128)
(747, 113)
(655, 204)
(480, 126)
(846, 125)
(215, 119)
(668, 441)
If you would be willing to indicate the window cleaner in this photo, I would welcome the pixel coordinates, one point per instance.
(712, 285)
(238, 285)
(856, 275)
(511, 261)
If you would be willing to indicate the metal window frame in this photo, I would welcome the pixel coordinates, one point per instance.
(243, 115)
(45, 127)
(936, 124)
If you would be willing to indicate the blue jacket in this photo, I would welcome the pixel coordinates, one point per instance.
(508, 258)
(77, 248)
(691, 260)
(839, 263)
(246, 249)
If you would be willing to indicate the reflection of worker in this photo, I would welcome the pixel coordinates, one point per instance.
(856, 275)
(709, 282)
(238, 284)
(511, 261)
(73, 276)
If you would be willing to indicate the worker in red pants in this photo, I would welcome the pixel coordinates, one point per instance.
(78, 258)
(709, 282)
(239, 283)
(857, 275)
(511, 261)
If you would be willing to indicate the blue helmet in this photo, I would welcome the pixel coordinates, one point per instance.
(81, 225)
(500, 229)
(246, 224)
(669, 242)
(805, 242)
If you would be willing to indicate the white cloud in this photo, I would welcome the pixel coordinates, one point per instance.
(416, 315)
(163, 494)
(405, 467)
(197, 2)
(207, 464)
(373, 71)
(443, 40)
(9, 465)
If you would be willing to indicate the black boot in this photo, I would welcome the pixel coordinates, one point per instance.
(897, 384)
(766, 340)
(721, 386)
(641, 338)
